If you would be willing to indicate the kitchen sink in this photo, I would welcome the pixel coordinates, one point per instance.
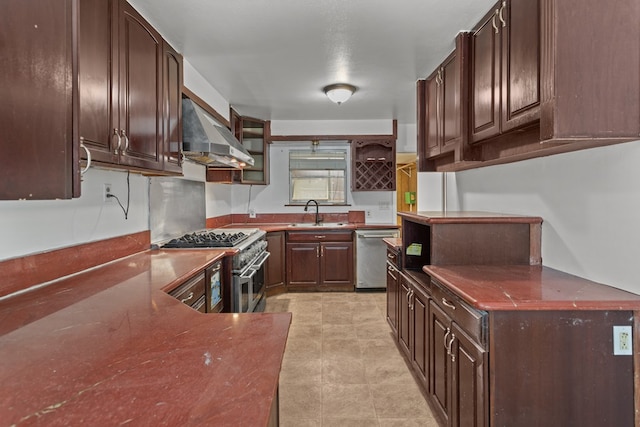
(322, 224)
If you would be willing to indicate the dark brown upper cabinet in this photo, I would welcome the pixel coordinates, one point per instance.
(254, 135)
(590, 63)
(130, 84)
(373, 165)
(39, 156)
(505, 69)
(172, 108)
(443, 116)
(545, 77)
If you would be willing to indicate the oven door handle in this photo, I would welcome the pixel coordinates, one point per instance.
(257, 265)
(250, 275)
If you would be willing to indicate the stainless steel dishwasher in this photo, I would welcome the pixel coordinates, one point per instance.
(371, 255)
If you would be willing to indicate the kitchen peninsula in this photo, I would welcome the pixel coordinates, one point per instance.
(494, 338)
(110, 346)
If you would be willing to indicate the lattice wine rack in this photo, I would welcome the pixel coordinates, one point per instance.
(374, 165)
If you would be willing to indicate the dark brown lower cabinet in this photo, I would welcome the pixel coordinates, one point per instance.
(458, 368)
(274, 268)
(419, 345)
(393, 283)
(413, 309)
(468, 385)
(404, 320)
(320, 261)
(521, 367)
(439, 382)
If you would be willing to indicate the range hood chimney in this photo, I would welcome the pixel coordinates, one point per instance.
(204, 141)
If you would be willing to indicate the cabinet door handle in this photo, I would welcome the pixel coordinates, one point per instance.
(320, 237)
(504, 4)
(187, 298)
(448, 304)
(453, 356)
(444, 341)
(126, 140)
(116, 133)
(318, 252)
(322, 251)
(411, 305)
(493, 22)
(84, 147)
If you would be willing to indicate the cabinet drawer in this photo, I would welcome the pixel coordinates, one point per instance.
(320, 236)
(471, 320)
(191, 291)
(393, 257)
(200, 305)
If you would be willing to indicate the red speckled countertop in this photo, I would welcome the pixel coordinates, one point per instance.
(523, 287)
(475, 217)
(110, 347)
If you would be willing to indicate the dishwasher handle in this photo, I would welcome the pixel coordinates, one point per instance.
(375, 236)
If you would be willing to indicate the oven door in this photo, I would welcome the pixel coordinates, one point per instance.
(249, 287)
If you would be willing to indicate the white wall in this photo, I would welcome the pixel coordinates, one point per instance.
(197, 84)
(274, 197)
(332, 127)
(407, 138)
(589, 201)
(31, 226)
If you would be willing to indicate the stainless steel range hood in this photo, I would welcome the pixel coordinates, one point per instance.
(208, 143)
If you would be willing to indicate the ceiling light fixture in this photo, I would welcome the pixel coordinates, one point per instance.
(339, 92)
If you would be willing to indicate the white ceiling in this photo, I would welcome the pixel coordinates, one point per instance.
(271, 59)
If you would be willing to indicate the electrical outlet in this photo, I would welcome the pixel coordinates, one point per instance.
(107, 190)
(252, 213)
(368, 213)
(622, 341)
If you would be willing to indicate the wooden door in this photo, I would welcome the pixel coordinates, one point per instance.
(485, 79)
(469, 373)
(140, 90)
(404, 316)
(303, 264)
(419, 323)
(336, 265)
(39, 150)
(392, 297)
(439, 332)
(172, 108)
(98, 78)
(520, 35)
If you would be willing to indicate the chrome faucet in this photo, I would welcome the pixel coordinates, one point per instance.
(318, 220)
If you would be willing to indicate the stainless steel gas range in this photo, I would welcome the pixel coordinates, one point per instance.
(247, 265)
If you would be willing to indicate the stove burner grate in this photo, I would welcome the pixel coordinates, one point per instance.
(207, 239)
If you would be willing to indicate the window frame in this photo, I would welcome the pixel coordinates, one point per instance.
(344, 170)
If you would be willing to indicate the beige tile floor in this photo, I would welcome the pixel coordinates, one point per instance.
(341, 366)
